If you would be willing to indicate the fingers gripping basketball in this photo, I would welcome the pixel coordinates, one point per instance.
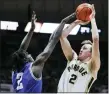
(83, 12)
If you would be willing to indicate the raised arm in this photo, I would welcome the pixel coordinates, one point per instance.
(95, 64)
(54, 38)
(65, 44)
(25, 43)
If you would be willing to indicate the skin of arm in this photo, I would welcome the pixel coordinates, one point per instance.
(65, 44)
(25, 43)
(38, 65)
(95, 62)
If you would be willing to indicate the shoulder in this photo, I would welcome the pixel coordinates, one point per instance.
(75, 56)
(35, 72)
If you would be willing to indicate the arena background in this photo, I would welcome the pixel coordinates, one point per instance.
(51, 11)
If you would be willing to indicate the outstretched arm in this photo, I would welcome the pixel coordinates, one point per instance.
(54, 38)
(25, 43)
(95, 64)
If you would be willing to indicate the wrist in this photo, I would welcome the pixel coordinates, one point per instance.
(68, 18)
(77, 22)
(93, 20)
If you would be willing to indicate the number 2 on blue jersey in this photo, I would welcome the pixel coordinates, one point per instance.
(19, 79)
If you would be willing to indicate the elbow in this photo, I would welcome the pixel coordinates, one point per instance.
(96, 38)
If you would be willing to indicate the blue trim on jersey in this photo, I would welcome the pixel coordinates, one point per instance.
(33, 74)
(25, 82)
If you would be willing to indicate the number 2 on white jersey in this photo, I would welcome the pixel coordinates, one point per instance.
(19, 79)
(73, 79)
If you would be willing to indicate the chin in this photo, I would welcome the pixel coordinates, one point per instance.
(80, 58)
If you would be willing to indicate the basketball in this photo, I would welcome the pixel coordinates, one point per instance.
(83, 12)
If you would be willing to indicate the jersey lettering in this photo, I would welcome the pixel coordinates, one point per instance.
(19, 79)
(78, 68)
(73, 79)
(81, 70)
(84, 73)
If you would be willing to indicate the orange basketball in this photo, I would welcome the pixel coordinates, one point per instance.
(83, 12)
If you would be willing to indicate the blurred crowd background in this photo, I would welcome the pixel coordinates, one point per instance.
(51, 11)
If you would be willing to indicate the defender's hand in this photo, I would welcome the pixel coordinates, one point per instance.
(66, 19)
(33, 20)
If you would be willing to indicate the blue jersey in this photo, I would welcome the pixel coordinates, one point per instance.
(25, 82)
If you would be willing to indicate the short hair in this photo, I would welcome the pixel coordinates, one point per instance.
(87, 42)
(18, 59)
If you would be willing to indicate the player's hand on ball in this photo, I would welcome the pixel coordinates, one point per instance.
(93, 12)
(33, 20)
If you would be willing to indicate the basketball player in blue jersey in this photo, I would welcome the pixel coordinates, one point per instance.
(81, 71)
(26, 72)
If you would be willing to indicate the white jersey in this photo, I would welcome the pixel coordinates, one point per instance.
(76, 78)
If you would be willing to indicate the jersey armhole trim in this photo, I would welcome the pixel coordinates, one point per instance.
(33, 74)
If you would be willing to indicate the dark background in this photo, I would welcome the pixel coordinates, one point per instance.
(50, 11)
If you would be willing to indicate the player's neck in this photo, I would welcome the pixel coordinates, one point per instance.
(85, 60)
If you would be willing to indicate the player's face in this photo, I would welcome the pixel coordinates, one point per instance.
(85, 51)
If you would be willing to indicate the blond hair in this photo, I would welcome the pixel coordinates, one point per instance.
(87, 42)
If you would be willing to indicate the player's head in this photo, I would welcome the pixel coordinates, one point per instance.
(86, 50)
(19, 59)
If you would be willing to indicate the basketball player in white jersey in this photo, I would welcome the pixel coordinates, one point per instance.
(81, 71)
